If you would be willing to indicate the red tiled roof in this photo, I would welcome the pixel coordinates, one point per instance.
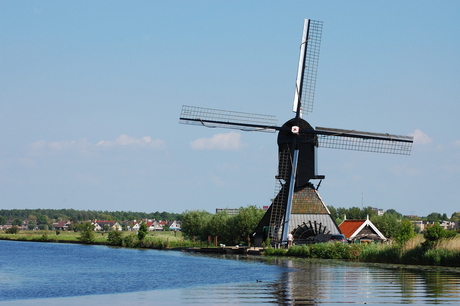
(349, 227)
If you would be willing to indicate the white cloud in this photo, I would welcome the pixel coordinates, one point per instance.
(84, 146)
(125, 140)
(420, 137)
(225, 142)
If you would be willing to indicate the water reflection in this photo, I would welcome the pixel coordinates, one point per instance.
(314, 282)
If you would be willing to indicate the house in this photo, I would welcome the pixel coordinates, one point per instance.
(361, 231)
(101, 225)
(61, 225)
(174, 225)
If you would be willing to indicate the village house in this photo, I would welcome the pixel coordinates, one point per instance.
(61, 225)
(174, 225)
(361, 231)
(101, 225)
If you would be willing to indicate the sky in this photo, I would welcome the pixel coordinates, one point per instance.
(91, 93)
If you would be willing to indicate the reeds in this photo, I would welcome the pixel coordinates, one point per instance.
(445, 253)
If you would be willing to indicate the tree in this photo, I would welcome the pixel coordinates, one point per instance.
(17, 222)
(405, 232)
(455, 216)
(143, 231)
(394, 213)
(435, 233)
(193, 223)
(12, 230)
(87, 233)
(115, 238)
(42, 219)
(2, 220)
(31, 225)
(387, 224)
(244, 223)
(219, 225)
(434, 217)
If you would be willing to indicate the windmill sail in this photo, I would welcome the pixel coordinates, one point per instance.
(363, 141)
(308, 66)
(213, 118)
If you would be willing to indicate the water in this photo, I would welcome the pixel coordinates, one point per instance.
(57, 274)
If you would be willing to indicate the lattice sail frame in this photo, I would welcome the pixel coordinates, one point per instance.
(364, 141)
(308, 66)
(214, 118)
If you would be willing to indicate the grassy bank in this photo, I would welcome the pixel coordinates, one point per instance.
(154, 240)
(444, 253)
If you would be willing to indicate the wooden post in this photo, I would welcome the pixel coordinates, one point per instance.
(216, 240)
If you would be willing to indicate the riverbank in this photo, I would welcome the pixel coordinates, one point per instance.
(444, 253)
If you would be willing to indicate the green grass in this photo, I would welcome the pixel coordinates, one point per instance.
(445, 253)
(158, 240)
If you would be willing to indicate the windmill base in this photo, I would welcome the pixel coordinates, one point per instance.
(309, 218)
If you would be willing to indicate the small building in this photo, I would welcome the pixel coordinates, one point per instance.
(230, 211)
(101, 225)
(61, 225)
(361, 231)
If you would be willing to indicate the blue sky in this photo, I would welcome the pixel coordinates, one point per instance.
(91, 92)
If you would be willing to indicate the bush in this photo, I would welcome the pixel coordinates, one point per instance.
(143, 231)
(130, 241)
(12, 230)
(275, 252)
(433, 234)
(87, 233)
(115, 238)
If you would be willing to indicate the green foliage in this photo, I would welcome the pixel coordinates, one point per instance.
(338, 214)
(12, 230)
(17, 222)
(143, 231)
(455, 217)
(82, 215)
(229, 229)
(194, 223)
(130, 241)
(405, 232)
(3, 220)
(219, 225)
(244, 222)
(388, 224)
(394, 213)
(115, 238)
(275, 252)
(442, 257)
(380, 253)
(434, 217)
(87, 233)
(330, 250)
(44, 237)
(435, 233)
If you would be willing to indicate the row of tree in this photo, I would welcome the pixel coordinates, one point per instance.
(45, 216)
(235, 229)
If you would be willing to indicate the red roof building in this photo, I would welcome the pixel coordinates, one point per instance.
(361, 230)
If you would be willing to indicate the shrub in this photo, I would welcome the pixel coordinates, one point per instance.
(12, 230)
(87, 233)
(433, 234)
(275, 252)
(115, 238)
(130, 241)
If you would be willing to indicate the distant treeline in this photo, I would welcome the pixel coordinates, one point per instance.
(83, 215)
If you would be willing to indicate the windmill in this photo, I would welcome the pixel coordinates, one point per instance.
(297, 206)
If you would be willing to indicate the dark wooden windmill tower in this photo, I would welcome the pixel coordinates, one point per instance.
(297, 206)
